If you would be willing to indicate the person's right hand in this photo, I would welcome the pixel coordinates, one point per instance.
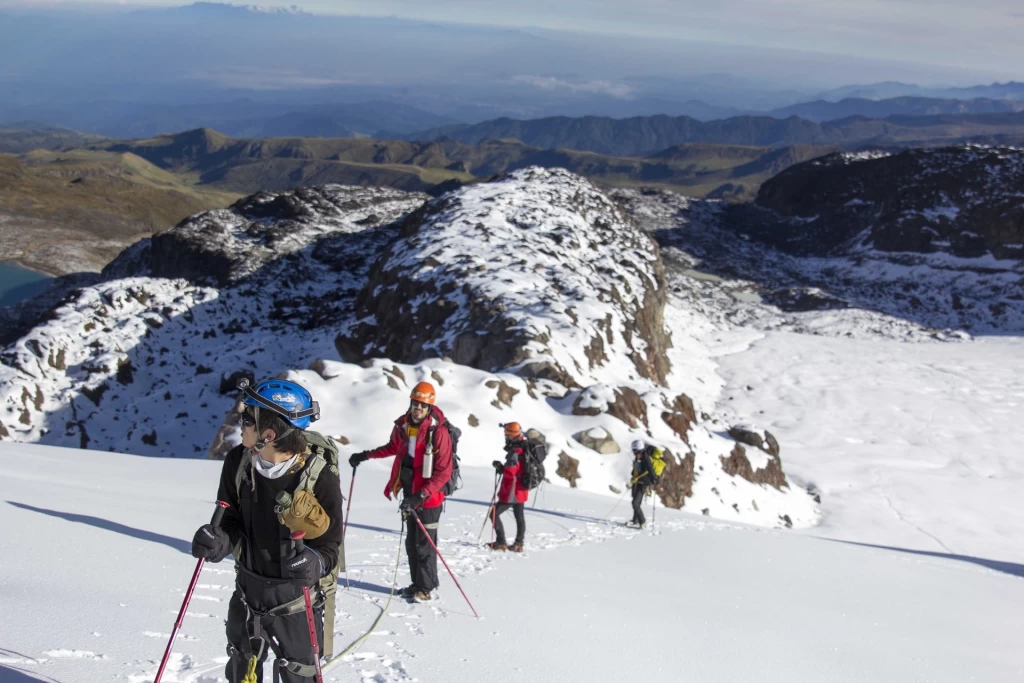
(356, 458)
(498, 466)
(210, 543)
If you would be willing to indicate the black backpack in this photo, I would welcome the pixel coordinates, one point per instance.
(533, 466)
(454, 483)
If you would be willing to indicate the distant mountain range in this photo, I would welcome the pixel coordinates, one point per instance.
(823, 110)
(640, 136)
(1010, 90)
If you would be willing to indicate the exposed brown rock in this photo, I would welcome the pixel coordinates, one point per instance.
(737, 464)
(397, 372)
(392, 382)
(629, 407)
(437, 378)
(676, 483)
(746, 436)
(473, 421)
(3, 431)
(56, 361)
(771, 446)
(319, 366)
(149, 439)
(505, 392)
(678, 423)
(568, 468)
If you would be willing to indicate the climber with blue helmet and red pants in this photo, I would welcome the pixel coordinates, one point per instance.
(267, 610)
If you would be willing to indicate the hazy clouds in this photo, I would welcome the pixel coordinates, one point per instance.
(983, 35)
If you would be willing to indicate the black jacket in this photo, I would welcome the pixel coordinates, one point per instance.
(643, 469)
(251, 518)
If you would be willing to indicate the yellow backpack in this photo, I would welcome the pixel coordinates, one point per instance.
(658, 463)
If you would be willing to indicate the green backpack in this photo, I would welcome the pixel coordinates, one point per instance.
(324, 452)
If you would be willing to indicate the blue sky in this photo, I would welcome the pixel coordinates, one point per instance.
(983, 36)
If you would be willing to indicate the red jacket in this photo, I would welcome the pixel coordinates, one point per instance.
(513, 473)
(398, 446)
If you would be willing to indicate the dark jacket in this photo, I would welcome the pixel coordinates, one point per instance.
(398, 446)
(251, 518)
(643, 468)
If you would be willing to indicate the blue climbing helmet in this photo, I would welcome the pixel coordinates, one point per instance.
(288, 399)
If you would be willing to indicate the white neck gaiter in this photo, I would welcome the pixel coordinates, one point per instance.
(272, 470)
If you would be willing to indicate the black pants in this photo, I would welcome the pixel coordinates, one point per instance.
(290, 632)
(499, 530)
(639, 491)
(422, 558)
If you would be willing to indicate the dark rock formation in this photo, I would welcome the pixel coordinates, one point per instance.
(737, 464)
(967, 200)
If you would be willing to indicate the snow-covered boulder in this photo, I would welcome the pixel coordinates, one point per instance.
(598, 439)
(537, 273)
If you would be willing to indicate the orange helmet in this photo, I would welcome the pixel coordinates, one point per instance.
(513, 430)
(423, 392)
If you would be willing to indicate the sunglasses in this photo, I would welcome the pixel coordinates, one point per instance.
(246, 419)
(419, 405)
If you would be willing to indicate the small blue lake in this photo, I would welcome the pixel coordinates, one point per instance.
(18, 284)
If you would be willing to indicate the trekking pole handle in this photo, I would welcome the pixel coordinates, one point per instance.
(297, 541)
(218, 514)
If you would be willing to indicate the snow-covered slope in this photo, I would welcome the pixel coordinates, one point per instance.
(96, 562)
(566, 283)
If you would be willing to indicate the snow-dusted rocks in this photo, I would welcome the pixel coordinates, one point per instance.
(226, 245)
(966, 200)
(597, 439)
(532, 298)
(538, 273)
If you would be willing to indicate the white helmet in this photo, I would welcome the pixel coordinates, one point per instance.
(638, 445)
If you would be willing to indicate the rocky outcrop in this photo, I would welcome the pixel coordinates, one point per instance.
(737, 464)
(676, 483)
(225, 245)
(966, 200)
(568, 468)
(537, 273)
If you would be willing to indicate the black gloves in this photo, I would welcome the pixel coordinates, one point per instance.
(412, 502)
(306, 567)
(210, 543)
(357, 458)
(498, 466)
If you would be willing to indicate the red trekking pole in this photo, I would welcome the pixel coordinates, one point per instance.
(218, 514)
(297, 537)
(432, 545)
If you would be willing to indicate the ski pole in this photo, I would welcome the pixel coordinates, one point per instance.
(218, 514)
(348, 508)
(299, 544)
(344, 527)
(494, 496)
(434, 546)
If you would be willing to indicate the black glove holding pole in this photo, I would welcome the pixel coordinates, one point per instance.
(412, 502)
(305, 566)
(357, 458)
(210, 542)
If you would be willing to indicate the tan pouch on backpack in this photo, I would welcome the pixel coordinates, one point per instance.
(305, 514)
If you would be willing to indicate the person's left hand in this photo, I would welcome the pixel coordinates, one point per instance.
(412, 502)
